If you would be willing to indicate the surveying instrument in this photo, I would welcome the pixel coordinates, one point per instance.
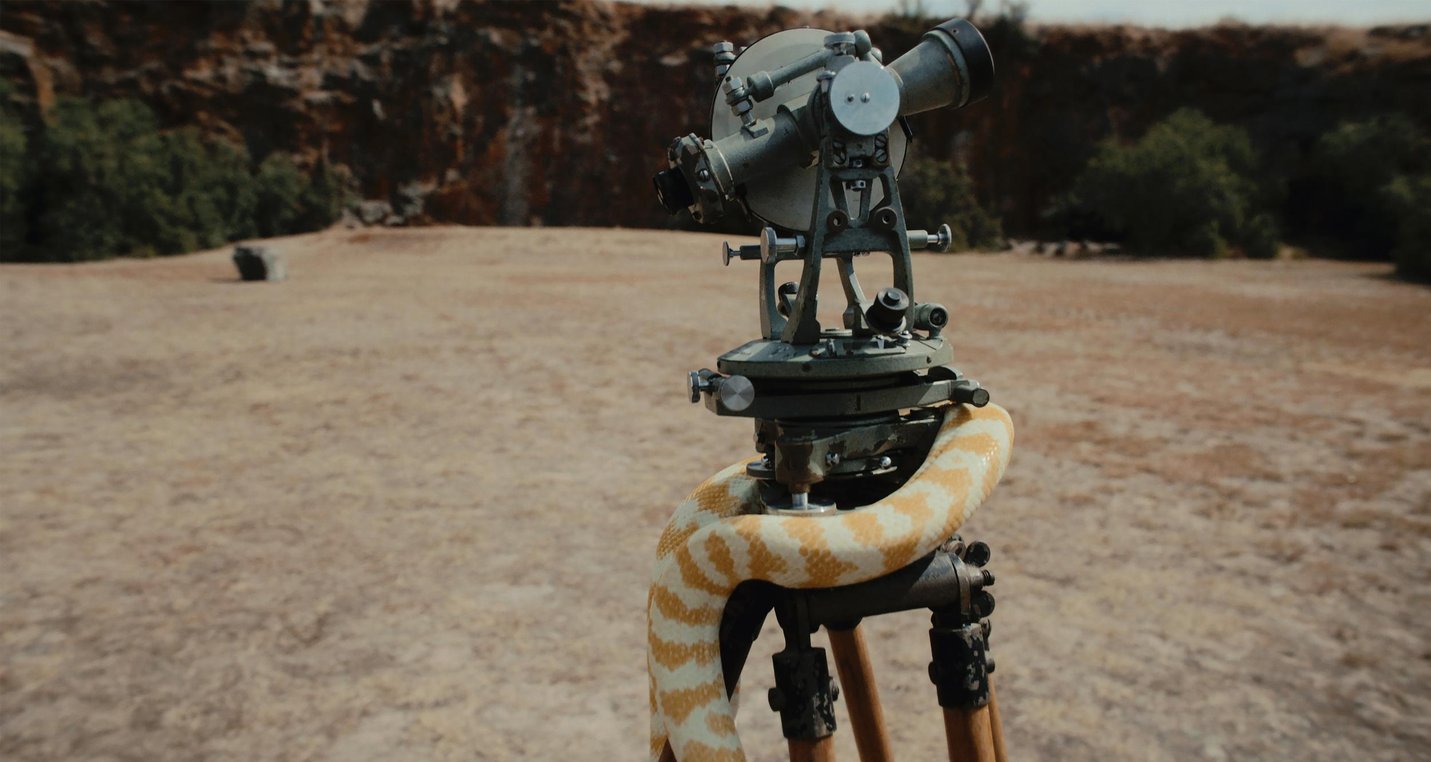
(808, 135)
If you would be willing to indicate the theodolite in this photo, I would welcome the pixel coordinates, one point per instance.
(808, 134)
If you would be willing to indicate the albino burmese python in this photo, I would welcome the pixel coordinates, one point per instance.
(716, 540)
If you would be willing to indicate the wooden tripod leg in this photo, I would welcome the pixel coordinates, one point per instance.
(852, 662)
(996, 724)
(817, 750)
(969, 735)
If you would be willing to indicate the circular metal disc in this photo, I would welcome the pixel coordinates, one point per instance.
(864, 98)
(737, 393)
(787, 198)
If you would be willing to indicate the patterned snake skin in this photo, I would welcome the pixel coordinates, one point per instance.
(716, 540)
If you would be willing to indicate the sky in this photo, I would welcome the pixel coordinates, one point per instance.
(1154, 12)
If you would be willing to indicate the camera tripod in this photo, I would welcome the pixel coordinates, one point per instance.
(874, 449)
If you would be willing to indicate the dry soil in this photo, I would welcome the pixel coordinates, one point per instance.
(403, 506)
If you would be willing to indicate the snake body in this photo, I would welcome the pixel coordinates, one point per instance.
(717, 539)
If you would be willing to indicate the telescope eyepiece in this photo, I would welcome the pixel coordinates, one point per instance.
(977, 57)
(951, 66)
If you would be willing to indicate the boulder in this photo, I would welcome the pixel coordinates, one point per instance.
(260, 263)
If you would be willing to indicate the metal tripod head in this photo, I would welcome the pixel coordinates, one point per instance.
(808, 135)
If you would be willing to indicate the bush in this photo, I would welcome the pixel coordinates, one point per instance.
(934, 193)
(279, 187)
(1187, 188)
(1357, 164)
(1410, 200)
(324, 197)
(106, 181)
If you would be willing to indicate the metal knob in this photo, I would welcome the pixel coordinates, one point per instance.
(698, 381)
(773, 248)
(939, 240)
(743, 252)
(887, 312)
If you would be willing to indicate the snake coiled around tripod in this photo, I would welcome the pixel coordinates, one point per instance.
(717, 539)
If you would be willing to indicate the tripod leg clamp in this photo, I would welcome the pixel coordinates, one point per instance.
(804, 694)
(959, 669)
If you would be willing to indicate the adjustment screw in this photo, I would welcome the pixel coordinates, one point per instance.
(977, 553)
(886, 313)
(983, 604)
(696, 384)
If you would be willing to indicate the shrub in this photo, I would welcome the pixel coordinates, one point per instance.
(323, 199)
(1187, 188)
(106, 181)
(279, 187)
(1410, 199)
(934, 193)
(1356, 166)
(97, 171)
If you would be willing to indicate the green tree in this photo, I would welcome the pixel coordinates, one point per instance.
(934, 193)
(1187, 188)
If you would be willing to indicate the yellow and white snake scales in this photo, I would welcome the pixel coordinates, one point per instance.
(716, 540)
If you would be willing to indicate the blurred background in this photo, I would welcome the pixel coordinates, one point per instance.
(202, 123)
(404, 504)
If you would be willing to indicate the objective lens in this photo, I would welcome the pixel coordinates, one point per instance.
(672, 190)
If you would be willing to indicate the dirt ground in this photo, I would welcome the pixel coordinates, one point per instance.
(403, 506)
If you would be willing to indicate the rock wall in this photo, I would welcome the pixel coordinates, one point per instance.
(544, 113)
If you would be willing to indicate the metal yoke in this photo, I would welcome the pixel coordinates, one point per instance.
(851, 164)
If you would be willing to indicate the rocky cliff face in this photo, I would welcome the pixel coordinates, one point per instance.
(517, 113)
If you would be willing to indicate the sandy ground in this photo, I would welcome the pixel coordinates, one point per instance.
(403, 506)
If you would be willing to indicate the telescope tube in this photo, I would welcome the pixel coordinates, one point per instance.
(951, 66)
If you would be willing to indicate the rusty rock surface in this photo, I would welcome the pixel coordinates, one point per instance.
(558, 113)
